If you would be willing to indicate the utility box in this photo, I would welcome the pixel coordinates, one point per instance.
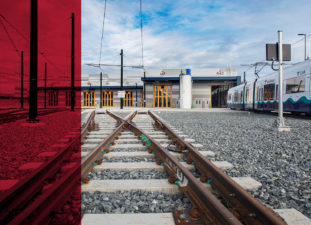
(272, 52)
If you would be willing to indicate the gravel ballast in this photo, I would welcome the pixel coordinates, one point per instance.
(281, 161)
(126, 174)
(132, 202)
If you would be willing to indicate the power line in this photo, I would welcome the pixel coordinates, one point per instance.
(301, 39)
(10, 38)
(141, 34)
(27, 39)
(101, 41)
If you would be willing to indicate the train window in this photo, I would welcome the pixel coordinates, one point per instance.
(235, 97)
(268, 93)
(247, 95)
(241, 96)
(295, 85)
(229, 97)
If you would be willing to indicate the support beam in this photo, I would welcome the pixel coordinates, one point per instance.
(22, 80)
(72, 91)
(33, 83)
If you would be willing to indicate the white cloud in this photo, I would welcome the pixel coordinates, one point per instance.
(192, 35)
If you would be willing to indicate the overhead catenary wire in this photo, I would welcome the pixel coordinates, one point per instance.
(301, 39)
(141, 34)
(27, 39)
(102, 37)
(9, 36)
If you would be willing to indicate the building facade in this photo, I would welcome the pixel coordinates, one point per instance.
(164, 88)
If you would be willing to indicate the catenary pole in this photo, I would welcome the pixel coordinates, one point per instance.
(72, 92)
(136, 95)
(121, 99)
(22, 80)
(280, 53)
(45, 73)
(101, 90)
(144, 89)
(33, 92)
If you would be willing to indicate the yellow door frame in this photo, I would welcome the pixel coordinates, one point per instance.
(88, 98)
(166, 93)
(128, 100)
(108, 99)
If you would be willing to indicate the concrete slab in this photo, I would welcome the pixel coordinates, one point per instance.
(126, 146)
(293, 217)
(129, 219)
(247, 183)
(146, 154)
(224, 165)
(197, 145)
(7, 184)
(87, 147)
(150, 166)
(30, 166)
(46, 154)
(160, 185)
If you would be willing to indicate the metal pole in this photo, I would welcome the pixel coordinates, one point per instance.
(305, 47)
(33, 92)
(144, 88)
(280, 53)
(22, 79)
(121, 100)
(45, 73)
(101, 90)
(72, 92)
(136, 94)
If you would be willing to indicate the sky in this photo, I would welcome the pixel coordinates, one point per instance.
(191, 33)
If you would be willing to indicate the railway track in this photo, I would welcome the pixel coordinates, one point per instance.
(14, 115)
(143, 142)
(39, 197)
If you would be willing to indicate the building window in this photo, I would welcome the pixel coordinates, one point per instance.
(295, 85)
(53, 98)
(68, 98)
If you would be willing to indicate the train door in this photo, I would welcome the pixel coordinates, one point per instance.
(88, 99)
(128, 100)
(108, 98)
(162, 96)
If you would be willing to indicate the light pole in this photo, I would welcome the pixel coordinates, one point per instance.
(305, 44)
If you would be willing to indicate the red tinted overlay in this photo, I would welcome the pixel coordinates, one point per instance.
(40, 161)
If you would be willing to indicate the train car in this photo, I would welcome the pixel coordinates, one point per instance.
(262, 94)
(297, 88)
(249, 95)
(236, 97)
(266, 93)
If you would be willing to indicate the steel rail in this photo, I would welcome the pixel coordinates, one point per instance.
(207, 209)
(13, 116)
(88, 125)
(244, 205)
(37, 211)
(94, 157)
(28, 187)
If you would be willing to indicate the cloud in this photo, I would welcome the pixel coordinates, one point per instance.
(191, 33)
